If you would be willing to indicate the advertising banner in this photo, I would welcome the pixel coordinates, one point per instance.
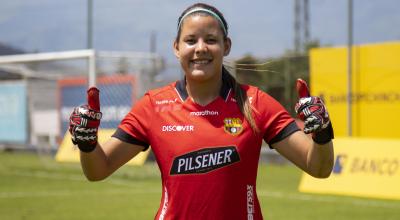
(13, 113)
(375, 91)
(363, 167)
(117, 95)
(70, 153)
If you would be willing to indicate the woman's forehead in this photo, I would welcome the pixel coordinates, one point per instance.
(200, 22)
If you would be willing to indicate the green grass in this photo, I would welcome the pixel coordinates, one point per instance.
(33, 187)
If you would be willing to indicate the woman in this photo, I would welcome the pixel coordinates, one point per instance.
(206, 130)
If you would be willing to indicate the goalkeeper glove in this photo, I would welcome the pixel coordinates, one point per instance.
(312, 111)
(85, 121)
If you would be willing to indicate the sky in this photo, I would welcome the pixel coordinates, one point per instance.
(263, 28)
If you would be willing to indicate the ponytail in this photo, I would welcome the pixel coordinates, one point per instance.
(241, 99)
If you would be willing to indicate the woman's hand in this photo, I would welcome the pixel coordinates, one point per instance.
(85, 121)
(312, 111)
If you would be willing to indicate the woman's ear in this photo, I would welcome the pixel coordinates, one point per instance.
(176, 50)
(227, 46)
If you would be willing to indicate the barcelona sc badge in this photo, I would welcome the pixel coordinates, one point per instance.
(233, 126)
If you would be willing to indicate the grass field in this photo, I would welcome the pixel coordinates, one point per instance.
(33, 187)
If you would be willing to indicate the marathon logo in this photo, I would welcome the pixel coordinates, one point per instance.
(204, 113)
(204, 160)
(167, 105)
(166, 101)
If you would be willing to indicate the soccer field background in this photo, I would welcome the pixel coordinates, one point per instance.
(37, 187)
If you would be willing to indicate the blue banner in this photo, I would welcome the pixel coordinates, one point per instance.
(115, 99)
(13, 113)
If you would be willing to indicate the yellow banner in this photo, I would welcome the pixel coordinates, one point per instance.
(363, 167)
(375, 87)
(70, 153)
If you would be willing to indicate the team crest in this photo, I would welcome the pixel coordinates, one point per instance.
(233, 126)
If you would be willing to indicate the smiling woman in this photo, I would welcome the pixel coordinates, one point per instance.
(206, 130)
(201, 52)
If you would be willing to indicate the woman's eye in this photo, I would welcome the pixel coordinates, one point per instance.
(190, 41)
(211, 41)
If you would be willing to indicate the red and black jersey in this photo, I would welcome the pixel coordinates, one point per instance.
(208, 155)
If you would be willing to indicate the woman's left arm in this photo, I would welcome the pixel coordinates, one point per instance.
(315, 159)
(313, 152)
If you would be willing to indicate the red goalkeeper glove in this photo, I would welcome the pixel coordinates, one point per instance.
(85, 121)
(312, 111)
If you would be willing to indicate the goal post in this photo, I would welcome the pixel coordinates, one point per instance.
(53, 56)
(44, 88)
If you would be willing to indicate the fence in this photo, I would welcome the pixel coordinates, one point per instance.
(38, 91)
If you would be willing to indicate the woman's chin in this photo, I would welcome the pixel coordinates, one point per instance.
(199, 75)
(202, 74)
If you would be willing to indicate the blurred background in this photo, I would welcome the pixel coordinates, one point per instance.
(51, 50)
(135, 38)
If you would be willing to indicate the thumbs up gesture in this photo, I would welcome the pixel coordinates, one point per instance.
(312, 111)
(85, 121)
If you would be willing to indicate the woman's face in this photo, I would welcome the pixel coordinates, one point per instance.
(201, 47)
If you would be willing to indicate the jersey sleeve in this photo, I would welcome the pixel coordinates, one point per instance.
(135, 127)
(273, 119)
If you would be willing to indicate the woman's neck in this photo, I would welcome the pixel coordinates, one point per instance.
(205, 92)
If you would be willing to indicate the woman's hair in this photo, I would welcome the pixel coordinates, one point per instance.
(212, 12)
(241, 100)
(239, 94)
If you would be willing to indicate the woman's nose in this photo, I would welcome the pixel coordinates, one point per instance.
(201, 46)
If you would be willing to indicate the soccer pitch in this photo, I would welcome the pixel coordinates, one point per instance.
(36, 187)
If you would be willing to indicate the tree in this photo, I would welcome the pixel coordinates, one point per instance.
(277, 76)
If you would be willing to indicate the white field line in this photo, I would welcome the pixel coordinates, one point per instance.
(317, 198)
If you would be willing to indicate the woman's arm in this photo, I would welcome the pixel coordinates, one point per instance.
(104, 160)
(313, 153)
(315, 159)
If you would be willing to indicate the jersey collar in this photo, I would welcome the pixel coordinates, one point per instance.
(180, 87)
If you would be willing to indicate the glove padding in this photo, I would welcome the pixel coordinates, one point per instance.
(83, 126)
(312, 111)
(84, 122)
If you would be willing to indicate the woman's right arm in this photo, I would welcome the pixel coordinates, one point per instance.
(105, 159)
(98, 162)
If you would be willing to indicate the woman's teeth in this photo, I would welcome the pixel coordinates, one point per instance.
(201, 61)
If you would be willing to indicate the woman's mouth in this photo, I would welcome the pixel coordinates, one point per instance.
(201, 62)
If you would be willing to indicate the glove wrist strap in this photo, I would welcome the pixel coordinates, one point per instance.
(324, 136)
(87, 147)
